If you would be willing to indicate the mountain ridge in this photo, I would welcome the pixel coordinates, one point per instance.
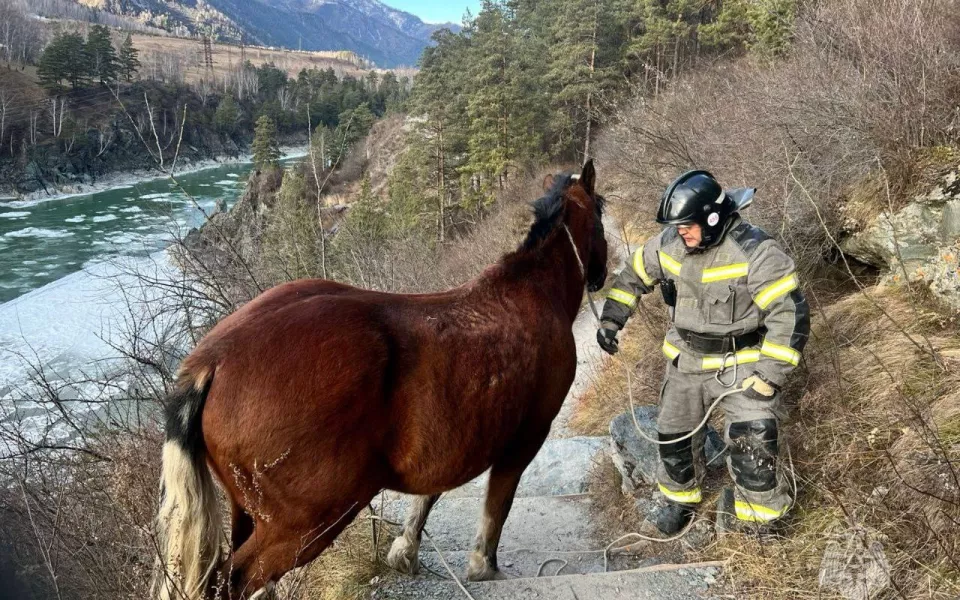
(386, 36)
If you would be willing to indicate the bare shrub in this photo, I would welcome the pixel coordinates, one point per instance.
(848, 100)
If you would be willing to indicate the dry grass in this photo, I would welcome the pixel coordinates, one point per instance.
(868, 197)
(607, 397)
(345, 570)
(613, 511)
(870, 452)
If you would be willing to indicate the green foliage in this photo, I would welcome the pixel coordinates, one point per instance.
(530, 79)
(730, 30)
(103, 62)
(326, 96)
(367, 216)
(270, 80)
(64, 58)
(354, 125)
(416, 204)
(291, 236)
(764, 27)
(68, 57)
(227, 115)
(771, 22)
(129, 63)
(266, 148)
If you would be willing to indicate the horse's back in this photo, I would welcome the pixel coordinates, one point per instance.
(431, 388)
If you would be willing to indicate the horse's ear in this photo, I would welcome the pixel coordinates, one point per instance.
(588, 177)
(548, 183)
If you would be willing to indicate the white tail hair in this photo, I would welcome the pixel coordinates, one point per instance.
(189, 534)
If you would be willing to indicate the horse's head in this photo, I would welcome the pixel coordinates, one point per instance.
(584, 216)
(597, 254)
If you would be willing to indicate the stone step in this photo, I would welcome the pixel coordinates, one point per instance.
(542, 523)
(653, 583)
(526, 563)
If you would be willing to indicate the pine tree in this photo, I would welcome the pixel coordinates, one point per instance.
(129, 64)
(730, 30)
(64, 58)
(353, 125)
(772, 24)
(52, 67)
(227, 115)
(412, 208)
(103, 61)
(668, 36)
(266, 148)
(579, 72)
(439, 100)
(291, 234)
(503, 99)
(77, 60)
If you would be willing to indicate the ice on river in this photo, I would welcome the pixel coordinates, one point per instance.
(158, 197)
(16, 214)
(38, 232)
(104, 218)
(71, 327)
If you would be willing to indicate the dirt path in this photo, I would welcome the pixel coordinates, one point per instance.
(589, 354)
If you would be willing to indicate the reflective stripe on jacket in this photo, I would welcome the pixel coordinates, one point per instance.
(744, 284)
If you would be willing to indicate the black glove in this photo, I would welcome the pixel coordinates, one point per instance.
(607, 338)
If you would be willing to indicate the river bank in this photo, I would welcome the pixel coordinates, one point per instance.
(43, 240)
(126, 179)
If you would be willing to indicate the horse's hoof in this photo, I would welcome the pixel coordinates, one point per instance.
(479, 569)
(267, 592)
(404, 556)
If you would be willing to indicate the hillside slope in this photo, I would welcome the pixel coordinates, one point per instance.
(369, 28)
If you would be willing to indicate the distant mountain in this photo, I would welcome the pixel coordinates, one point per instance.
(371, 29)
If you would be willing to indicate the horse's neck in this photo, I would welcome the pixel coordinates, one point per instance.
(557, 270)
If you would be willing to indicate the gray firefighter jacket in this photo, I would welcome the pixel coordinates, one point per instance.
(744, 288)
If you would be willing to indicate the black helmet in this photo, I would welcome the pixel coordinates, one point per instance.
(696, 197)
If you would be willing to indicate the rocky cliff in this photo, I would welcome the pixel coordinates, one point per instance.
(916, 242)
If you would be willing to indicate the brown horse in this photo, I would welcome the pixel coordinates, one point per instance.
(313, 397)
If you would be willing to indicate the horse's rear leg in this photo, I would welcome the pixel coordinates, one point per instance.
(404, 553)
(273, 550)
(504, 478)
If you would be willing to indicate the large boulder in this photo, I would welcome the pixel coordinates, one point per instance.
(637, 458)
(919, 242)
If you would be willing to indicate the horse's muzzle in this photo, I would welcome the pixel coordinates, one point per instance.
(597, 284)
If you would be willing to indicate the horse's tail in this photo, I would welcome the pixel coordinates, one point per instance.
(188, 523)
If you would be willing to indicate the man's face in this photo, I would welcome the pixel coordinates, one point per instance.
(692, 234)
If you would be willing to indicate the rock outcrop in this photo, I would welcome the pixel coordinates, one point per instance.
(919, 242)
(637, 458)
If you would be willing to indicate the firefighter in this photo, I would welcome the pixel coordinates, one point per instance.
(739, 321)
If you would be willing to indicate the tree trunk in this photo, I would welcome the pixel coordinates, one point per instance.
(593, 58)
(441, 187)
(4, 101)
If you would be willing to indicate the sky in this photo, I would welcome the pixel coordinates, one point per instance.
(436, 11)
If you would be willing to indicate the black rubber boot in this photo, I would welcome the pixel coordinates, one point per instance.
(671, 517)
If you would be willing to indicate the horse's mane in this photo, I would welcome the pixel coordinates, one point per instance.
(547, 216)
(547, 212)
